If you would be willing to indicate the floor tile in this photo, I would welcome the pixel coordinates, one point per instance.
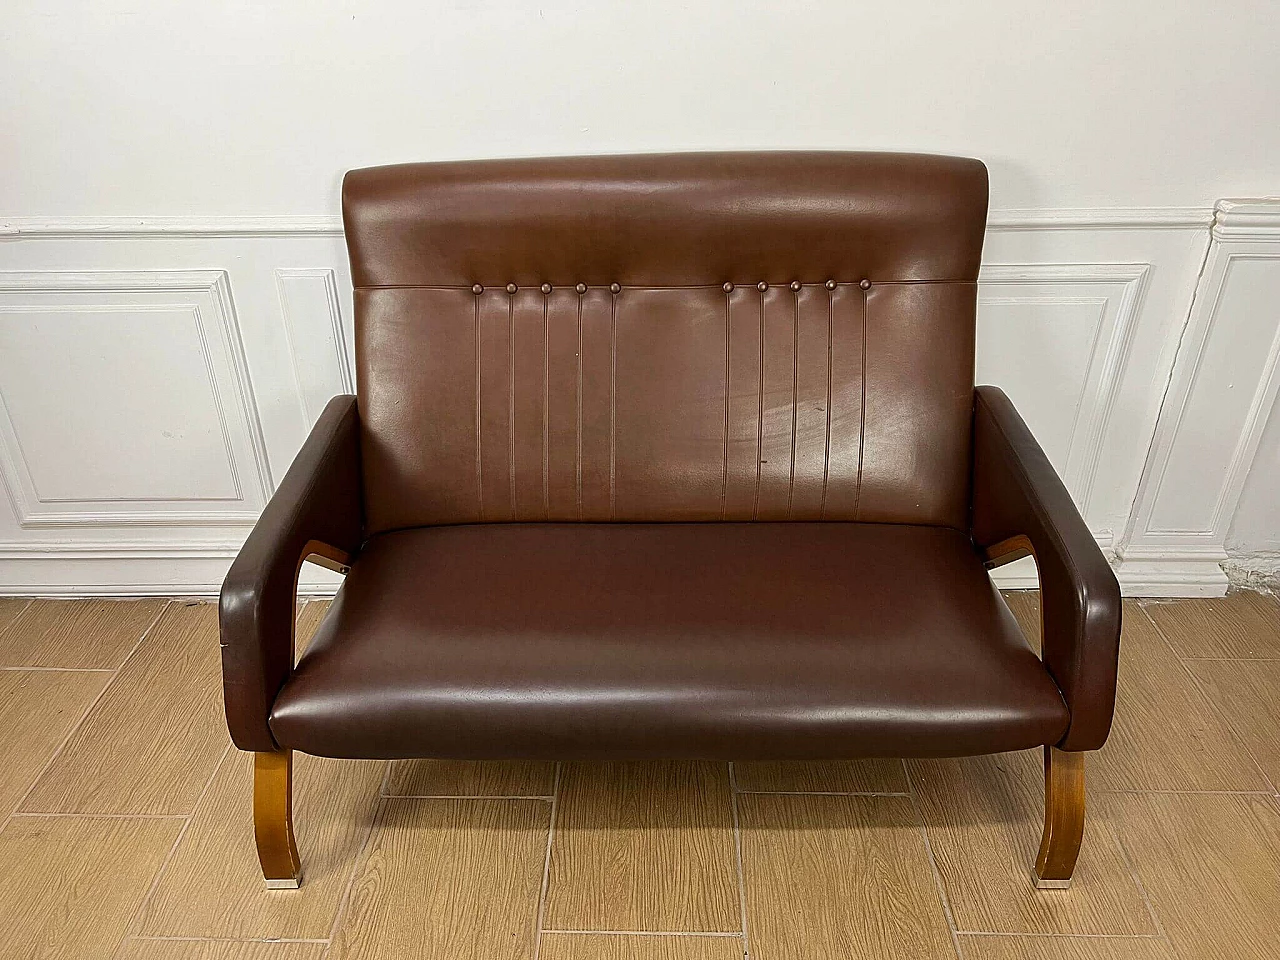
(448, 880)
(152, 741)
(621, 946)
(979, 947)
(644, 846)
(471, 778)
(1166, 734)
(213, 885)
(10, 607)
(1025, 605)
(69, 885)
(1240, 625)
(309, 618)
(831, 776)
(80, 634)
(38, 708)
(1210, 864)
(218, 950)
(1247, 692)
(838, 877)
(984, 817)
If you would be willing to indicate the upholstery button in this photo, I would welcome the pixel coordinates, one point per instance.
(762, 286)
(795, 284)
(728, 287)
(511, 288)
(615, 288)
(581, 288)
(477, 289)
(864, 284)
(546, 288)
(831, 284)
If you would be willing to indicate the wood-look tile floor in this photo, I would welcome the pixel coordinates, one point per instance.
(125, 825)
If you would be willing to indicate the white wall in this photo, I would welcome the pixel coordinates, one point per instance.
(174, 302)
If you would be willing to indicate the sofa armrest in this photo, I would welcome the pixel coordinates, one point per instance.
(315, 512)
(1020, 508)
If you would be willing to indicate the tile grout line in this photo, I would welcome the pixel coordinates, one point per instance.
(1213, 704)
(136, 920)
(541, 912)
(348, 891)
(725, 934)
(737, 856)
(231, 939)
(939, 886)
(1037, 935)
(824, 793)
(462, 796)
(53, 757)
(59, 669)
(102, 816)
(1137, 880)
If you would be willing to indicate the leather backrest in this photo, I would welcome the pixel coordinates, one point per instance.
(763, 336)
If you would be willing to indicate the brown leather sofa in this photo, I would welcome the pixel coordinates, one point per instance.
(669, 456)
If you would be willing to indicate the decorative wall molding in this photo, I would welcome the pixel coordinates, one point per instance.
(321, 369)
(1227, 352)
(1112, 282)
(1100, 384)
(203, 296)
(1064, 218)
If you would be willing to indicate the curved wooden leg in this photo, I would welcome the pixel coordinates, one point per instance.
(273, 819)
(1063, 818)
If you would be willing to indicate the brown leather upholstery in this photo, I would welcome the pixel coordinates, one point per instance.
(671, 398)
(764, 640)
(780, 345)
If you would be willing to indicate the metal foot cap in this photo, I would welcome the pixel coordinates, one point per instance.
(1052, 884)
(289, 883)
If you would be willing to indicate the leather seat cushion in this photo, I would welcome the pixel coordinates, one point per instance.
(707, 640)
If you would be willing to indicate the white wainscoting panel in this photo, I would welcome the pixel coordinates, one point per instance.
(1222, 389)
(125, 400)
(157, 376)
(322, 363)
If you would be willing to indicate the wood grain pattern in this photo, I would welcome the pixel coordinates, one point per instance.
(644, 846)
(309, 618)
(621, 946)
(273, 818)
(448, 880)
(1210, 864)
(10, 607)
(1247, 692)
(1243, 625)
(37, 711)
(165, 704)
(984, 817)
(1025, 605)
(838, 877)
(68, 886)
(471, 778)
(218, 950)
(1064, 814)
(831, 776)
(1166, 735)
(213, 885)
(76, 634)
(978, 947)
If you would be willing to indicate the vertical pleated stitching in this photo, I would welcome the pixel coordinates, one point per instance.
(755, 509)
(826, 446)
(862, 410)
(475, 313)
(613, 402)
(795, 389)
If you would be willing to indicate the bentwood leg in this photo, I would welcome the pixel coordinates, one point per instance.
(273, 819)
(1063, 818)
